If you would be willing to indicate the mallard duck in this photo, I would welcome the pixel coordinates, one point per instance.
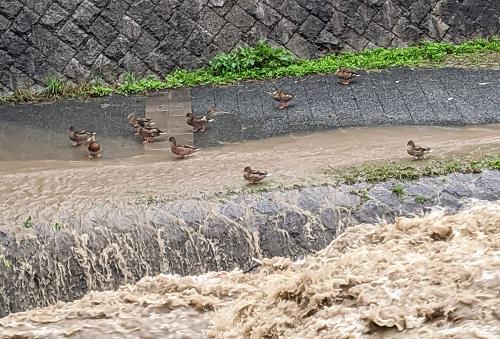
(254, 176)
(198, 123)
(78, 136)
(135, 122)
(345, 75)
(283, 98)
(148, 133)
(416, 151)
(93, 147)
(181, 150)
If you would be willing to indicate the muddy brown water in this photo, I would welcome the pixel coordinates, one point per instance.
(431, 277)
(44, 177)
(41, 172)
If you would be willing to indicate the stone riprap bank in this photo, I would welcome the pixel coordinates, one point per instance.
(83, 39)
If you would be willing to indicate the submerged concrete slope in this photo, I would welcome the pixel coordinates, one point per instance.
(113, 245)
(398, 96)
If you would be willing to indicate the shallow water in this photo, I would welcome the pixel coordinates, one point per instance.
(41, 173)
(430, 277)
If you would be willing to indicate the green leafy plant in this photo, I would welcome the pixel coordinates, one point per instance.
(100, 90)
(261, 56)
(28, 223)
(54, 86)
(399, 190)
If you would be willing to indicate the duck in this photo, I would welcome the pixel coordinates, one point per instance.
(198, 123)
(345, 75)
(417, 151)
(283, 98)
(254, 176)
(78, 136)
(93, 147)
(181, 150)
(135, 122)
(148, 133)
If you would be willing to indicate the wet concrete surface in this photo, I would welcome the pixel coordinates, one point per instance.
(115, 244)
(106, 116)
(397, 96)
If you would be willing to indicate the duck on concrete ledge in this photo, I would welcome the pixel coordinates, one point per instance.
(283, 98)
(345, 75)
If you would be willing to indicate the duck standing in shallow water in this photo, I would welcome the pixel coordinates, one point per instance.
(149, 133)
(345, 75)
(283, 98)
(181, 150)
(135, 122)
(198, 123)
(78, 136)
(93, 147)
(254, 176)
(417, 151)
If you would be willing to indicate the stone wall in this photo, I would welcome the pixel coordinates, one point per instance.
(79, 40)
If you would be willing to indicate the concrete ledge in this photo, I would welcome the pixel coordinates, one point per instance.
(398, 96)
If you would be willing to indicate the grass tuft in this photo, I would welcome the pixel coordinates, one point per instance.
(372, 173)
(263, 61)
(28, 223)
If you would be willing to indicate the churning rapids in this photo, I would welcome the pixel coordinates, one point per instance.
(432, 277)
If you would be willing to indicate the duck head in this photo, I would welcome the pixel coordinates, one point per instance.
(247, 169)
(172, 140)
(189, 115)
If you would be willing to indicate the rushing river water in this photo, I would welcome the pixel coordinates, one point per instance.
(41, 174)
(42, 177)
(430, 277)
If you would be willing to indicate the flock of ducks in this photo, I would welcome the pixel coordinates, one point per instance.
(144, 128)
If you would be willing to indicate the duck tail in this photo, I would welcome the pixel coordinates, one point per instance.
(268, 175)
(210, 120)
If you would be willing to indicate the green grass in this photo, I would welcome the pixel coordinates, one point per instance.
(28, 223)
(5, 262)
(265, 62)
(57, 226)
(372, 173)
(399, 190)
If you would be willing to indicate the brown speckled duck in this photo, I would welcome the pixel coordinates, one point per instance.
(149, 133)
(78, 136)
(181, 150)
(417, 151)
(254, 176)
(93, 147)
(345, 75)
(198, 123)
(283, 98)
(135, 122)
